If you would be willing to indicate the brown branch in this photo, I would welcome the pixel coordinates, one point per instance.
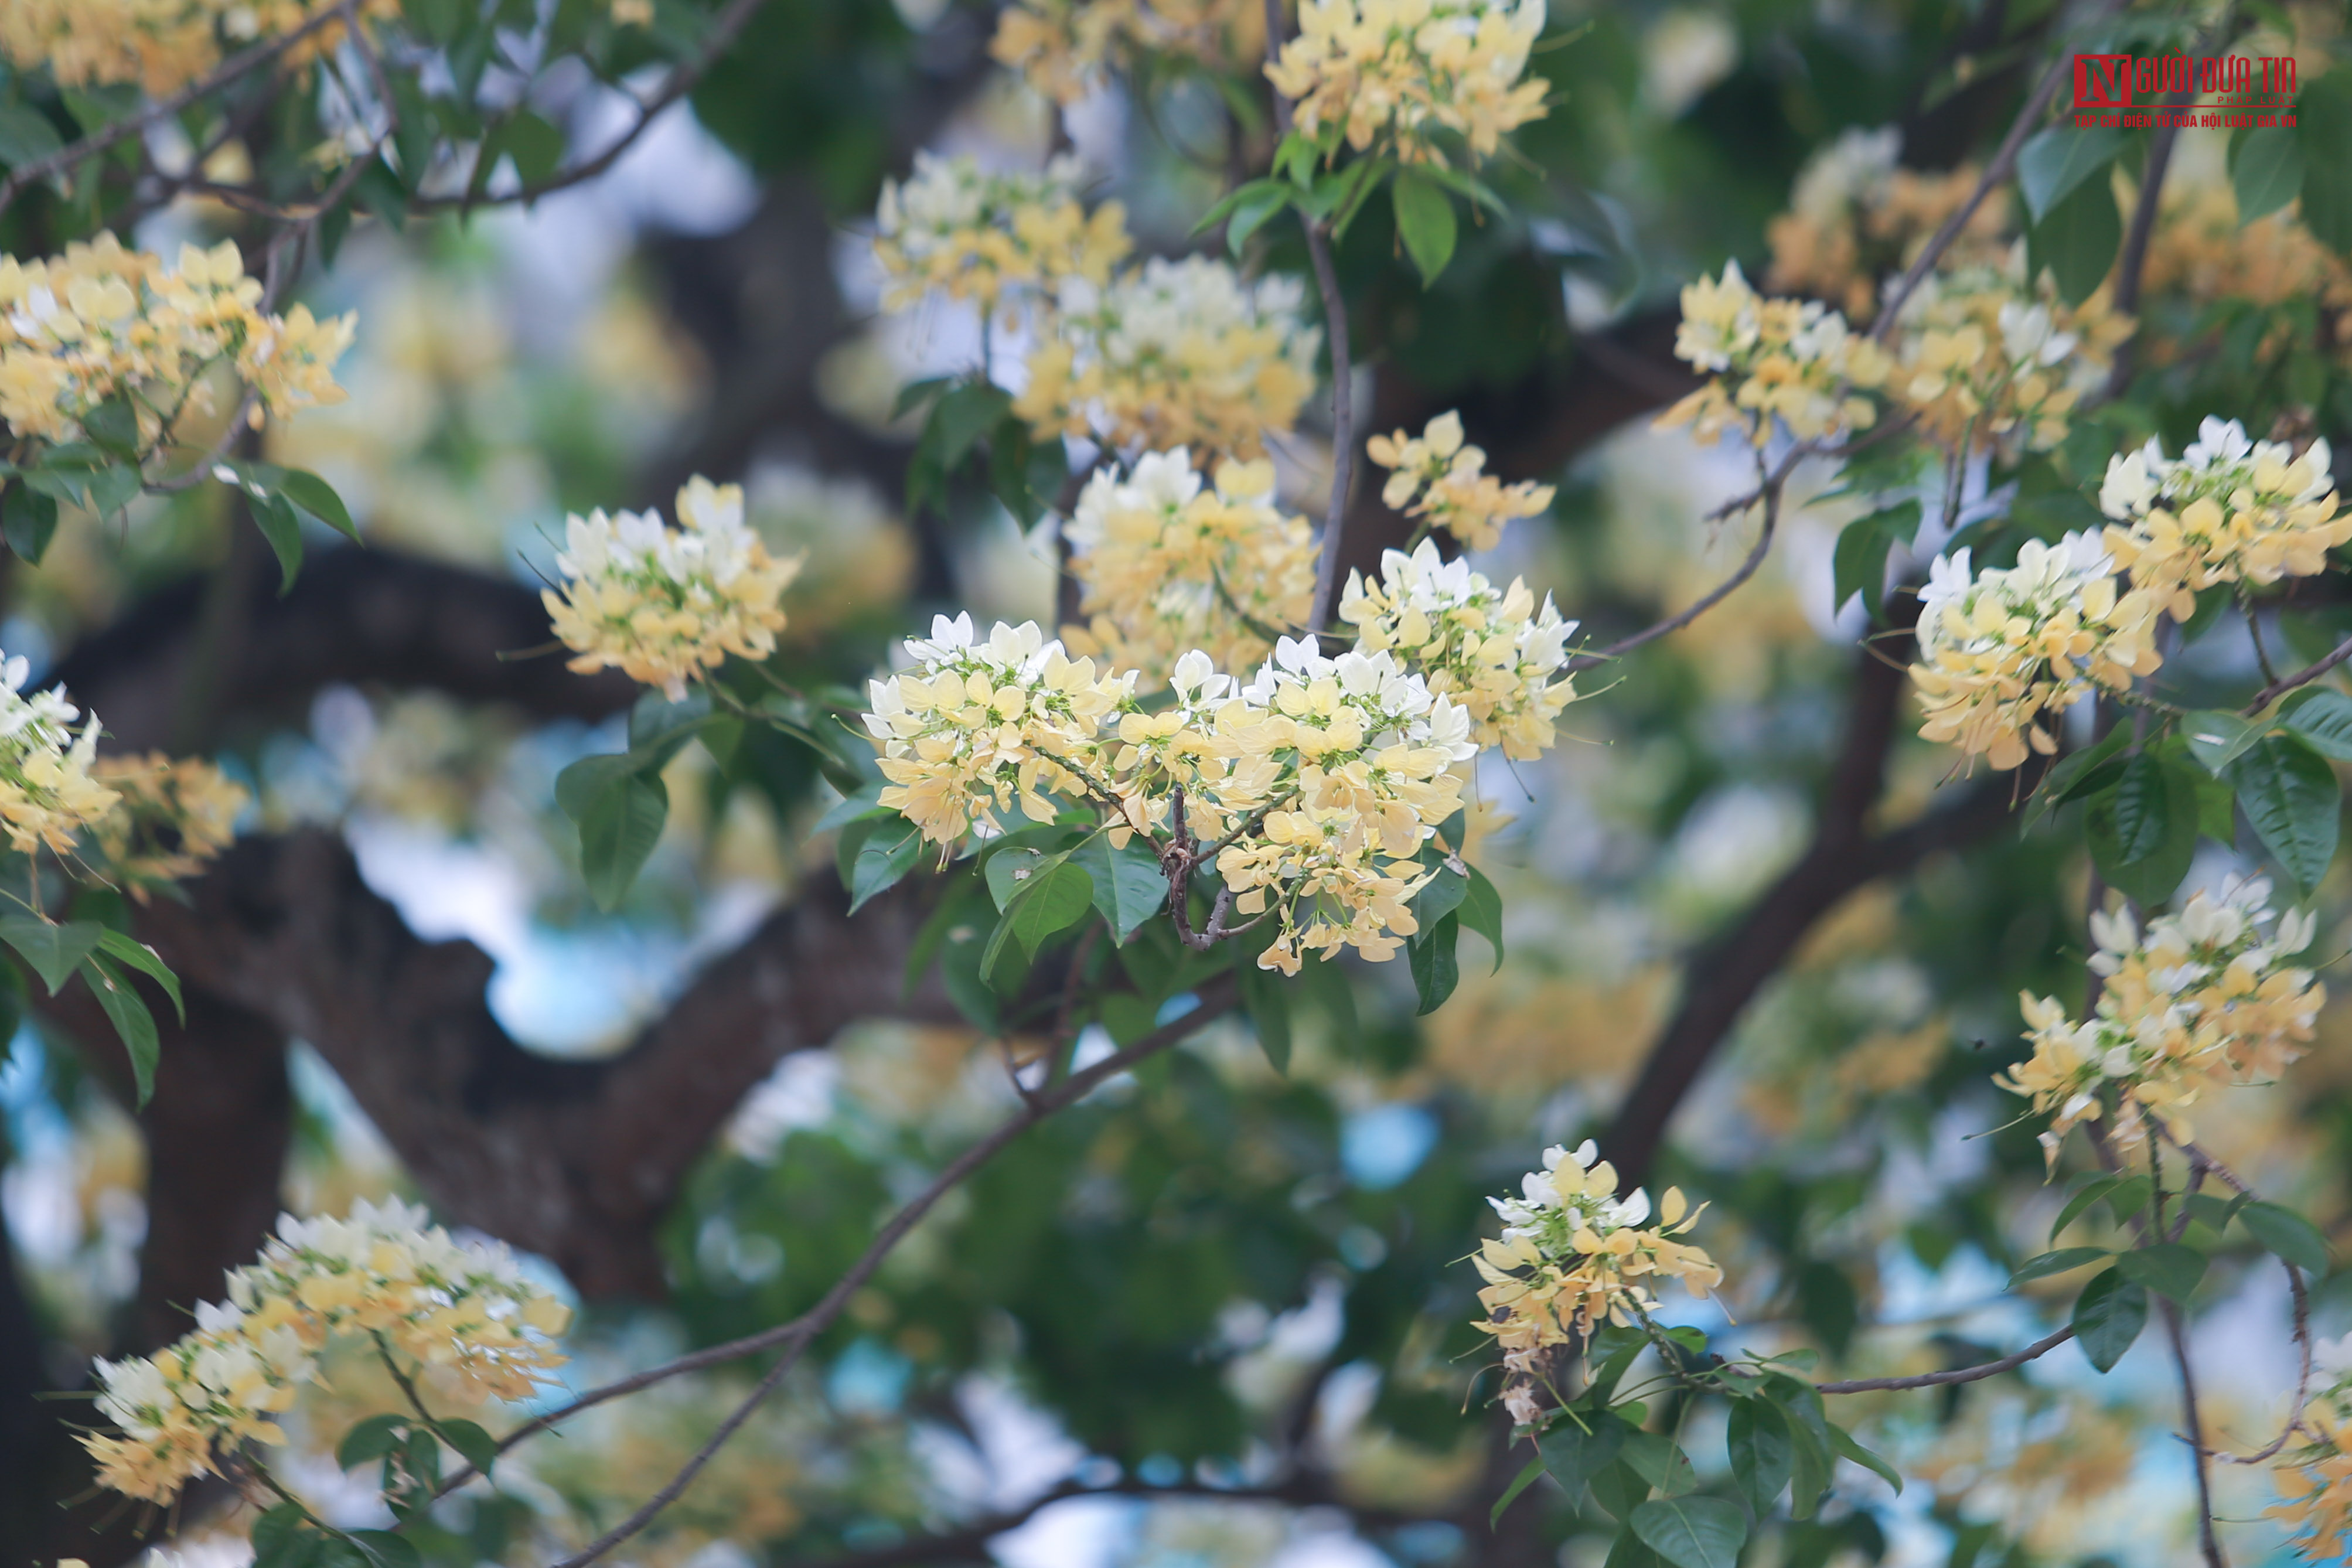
(1216, 998)
(2303, 677)
(1769, 493)
(2011, 1363)
(1343, 423)
(2195, 1436)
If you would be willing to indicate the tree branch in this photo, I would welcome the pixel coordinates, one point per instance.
(2011, 1363)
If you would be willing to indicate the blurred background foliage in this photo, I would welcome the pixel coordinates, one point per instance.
(1227, 1304)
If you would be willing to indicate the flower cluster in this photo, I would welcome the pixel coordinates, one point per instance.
(1990, 361)
(2227, 510)
(1066, 48)
(1854, 216)
(1395, 72)
(2003, 648)
(1489, 649)
(983, 724)
(2201, 250)
(459, 1311)
(161, 45)
(1435, 478)
(1573, 1255)
(100, 322)
(1787, 361)
(665, 605)
(988, 238)
(1174, 353)
(1166, 565)
(2203, 995)
(2315, 1478)
(171, 817)
(48, 795)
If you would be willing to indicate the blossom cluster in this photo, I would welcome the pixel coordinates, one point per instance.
(1165, 564)
(100, 322)
(2315, 1477)
(1854, 215)
(170, 818)
(1066, 48)
(1573, 1255)
(1786, 361)
(991, 238)
(460, 1313)
(1489, 649)
(1991, 360)
(1434, 477)
(2003, 649)
(2229, 510)
(666, 604)
(2200, 249)
(48, 792)
(2200, 996)
(160, 45)
(1172, 353)
(1394, 73)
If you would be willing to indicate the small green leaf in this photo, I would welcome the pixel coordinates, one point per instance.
(370, 1439)
(2151, 810)
(1576, 1453)
(476, 1445)
(963, 414)
(1692, 1531)
(1859, 564)
(274, 515)
(2108, 1316)
(864, 803)
(1482, 912)
(54, 949)
(2090, 1193)
(25, 135)
(317, 498)
(1055, 901)
(384, 1549)
(1440, 896)
(2290, 795)
(884, 858)
(1519, 1483)
(114, 426)
(1762, 1451)
(1844, 1442)
(29, 520)
(2057, 1262)
(618, 831)
(1425, 217)
(2061, 158)
(1258, 203)
(2217, 738)
(2168, 1267)
(148, 962)
(2266, 170)
(1430, 955)
(2082, 772)
(279, 1536)
(2141, 818)
(2077, 239)
(2288, 1235)
(130, 1020)
(1129, 887)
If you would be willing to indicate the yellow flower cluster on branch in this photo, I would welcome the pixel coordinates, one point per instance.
(460, 1313)
(2202, 996)
(1489, 649)
(1434, 477)
(1573, 1255)
(48, 796)
(2200, 249)
(2315, 1476)
(666, 604)
(2227, 510)
(1774, 364)
(996, 239)
(1854, 215)
(1394, 73)
(1165, 564)
(1067, 49)
(1989, 360)
(173, 818)
(160, 45)
(1174, 353)
(100, 323)
(2004, 649)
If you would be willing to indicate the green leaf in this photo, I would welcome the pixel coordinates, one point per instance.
(130, 1020)
(1628, 1551)
(1618, 1489)
(1424, 220)
(862, 802)
(2108, 1316)
(317, 498)
(2290, 795)
(1440, 896)
(2141, 816)
(2287, 1235)
(618, 830)
(914, 394)
(2152, 809)
(2266, 169)
(2077, 240)
(1574, 1455)
(274, 515)
(476, 1447)
(2090, 1193)
(146, 961)
(114, 426)
(963, 416)
(370, 1439)
(1810, 1458)
(25, 135)
(2323, 123)
(54, 949)
(887, 854)
(1844, 1442)
(2128, 1196)
(2323, 719)
(1482, 912)
(1692, 1532)
(1430, 955)
(1054, 901)
(1256, 203)
(2056, 161)
(1129, 886)
(1519, 1483)
(1660, 1460)
(1762, 1451)
(1267, 1002)
(2082, 772)
(2057, 1262)
(386, 1550)
(1859, 564)
(29, 520)
(2170, 1268)
(2218, 738)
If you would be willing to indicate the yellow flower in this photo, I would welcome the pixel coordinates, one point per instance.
(1987, 360)
(1777, 364)
(1067, 49)
(171, 819)
(1394, 72)
(994, 239)
(48, 796)
(1435, 477)
(2228, 511)
(1855, 217)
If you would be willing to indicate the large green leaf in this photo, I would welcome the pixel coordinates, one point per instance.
(127, 950)
(2324, 121)
(2287, 1235)
(1580, 1445)
(1762, 1451)
(2290, 795)
(2077, 239)
(1054, 901)
(1129, 887)
(55, 949)
(2218, 738)
(1429, 954)
(2152, 809)
(2323, 719)
(889, 851)
(1482, 912)
(25, 135)
(130, 1020)
(1692, 1531)
(1424, 217)
(618, 829)
(2108, 1316)
(2058, 160)
(2266, 169)
(2058, 1262)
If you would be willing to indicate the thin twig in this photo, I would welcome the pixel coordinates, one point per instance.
(2303, 677)
(2206, 1541)
(1770, 494)
(2010, 1363)
(1343, 423)
(1216, 998)
(2301, 1296)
